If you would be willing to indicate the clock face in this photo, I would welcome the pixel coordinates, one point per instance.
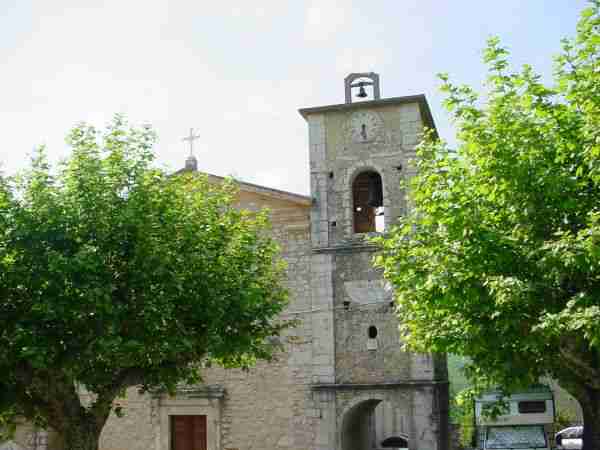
(364, 126)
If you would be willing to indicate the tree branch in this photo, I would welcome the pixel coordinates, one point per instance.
(49, 392)
(102, 406)
(586, 371)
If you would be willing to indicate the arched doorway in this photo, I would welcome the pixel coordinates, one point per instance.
(375, 424)
(358, 430)
(395, 443)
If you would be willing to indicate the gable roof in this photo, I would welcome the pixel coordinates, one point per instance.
(291, 197)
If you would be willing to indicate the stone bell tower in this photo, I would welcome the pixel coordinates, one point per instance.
(374, 395)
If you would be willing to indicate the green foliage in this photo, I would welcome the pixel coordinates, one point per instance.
(461, 400)
(114, 274)
(7, 424)
(456, 376)
(564, 418)
(462, 412)
(499, 260)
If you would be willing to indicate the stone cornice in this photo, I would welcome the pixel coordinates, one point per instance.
(353, 247)
(204, 391)
(375, 386)
(419, 98)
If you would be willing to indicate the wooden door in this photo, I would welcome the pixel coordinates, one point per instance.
(188, 433)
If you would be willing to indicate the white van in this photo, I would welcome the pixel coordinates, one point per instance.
(526, 425)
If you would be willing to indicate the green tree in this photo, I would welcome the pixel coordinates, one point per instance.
(499, 260)
(114, 274)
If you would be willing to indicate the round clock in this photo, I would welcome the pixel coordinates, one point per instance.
(364, 126)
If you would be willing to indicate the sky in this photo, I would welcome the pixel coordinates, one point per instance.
(238, 71)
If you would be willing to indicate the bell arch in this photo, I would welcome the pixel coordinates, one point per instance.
(367, 202)
(349, 84)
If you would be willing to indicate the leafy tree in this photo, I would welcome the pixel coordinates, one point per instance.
(499, 260)
(114, 274)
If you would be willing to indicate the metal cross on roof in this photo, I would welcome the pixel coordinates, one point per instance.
(191, 138)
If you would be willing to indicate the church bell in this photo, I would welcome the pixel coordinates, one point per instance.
(361, 92)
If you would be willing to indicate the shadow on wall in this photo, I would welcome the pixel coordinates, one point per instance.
(357, 429)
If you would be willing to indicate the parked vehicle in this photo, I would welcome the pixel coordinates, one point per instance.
(570, 438)
(526, 423)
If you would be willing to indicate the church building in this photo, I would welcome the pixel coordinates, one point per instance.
(342, 380)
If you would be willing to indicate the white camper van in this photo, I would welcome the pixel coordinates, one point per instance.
(527, 424)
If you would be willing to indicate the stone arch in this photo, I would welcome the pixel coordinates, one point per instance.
(395, 442)
(359, 412)
(348, 187)
(371, 418)
(357, 431)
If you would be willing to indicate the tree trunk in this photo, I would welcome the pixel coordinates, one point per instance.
(81, 435)
(590, 405)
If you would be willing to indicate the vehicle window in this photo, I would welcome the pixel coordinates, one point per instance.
(573, 433)
(515, 437)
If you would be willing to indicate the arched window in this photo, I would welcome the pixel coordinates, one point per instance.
(367, 194)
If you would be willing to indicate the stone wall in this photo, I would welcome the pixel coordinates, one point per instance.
(29, 437)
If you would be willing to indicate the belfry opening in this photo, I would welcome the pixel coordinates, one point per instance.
(368, 210)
